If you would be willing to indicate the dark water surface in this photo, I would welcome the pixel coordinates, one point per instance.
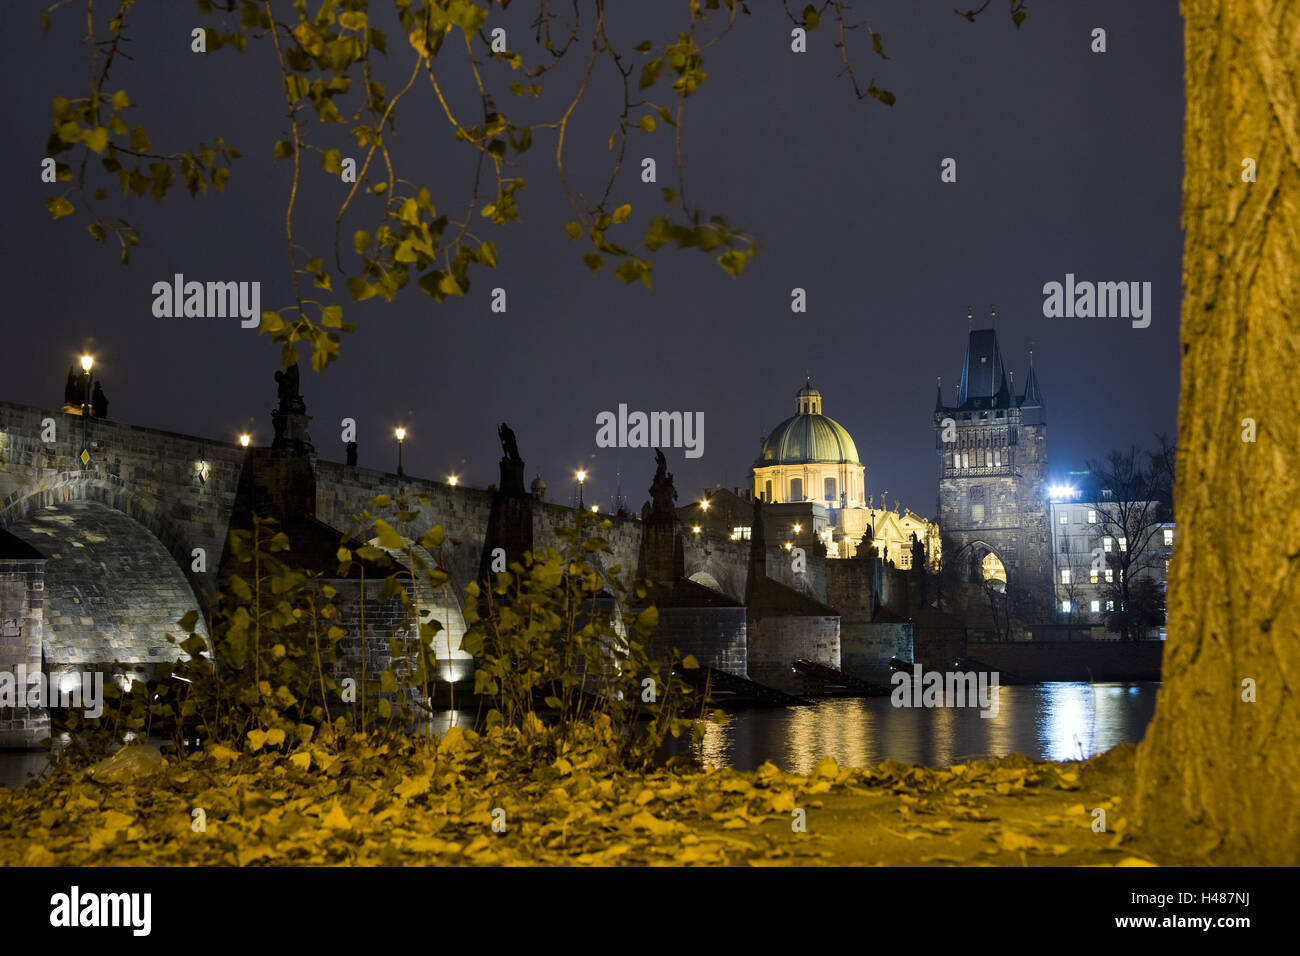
(1056, 721)
(1042, 721)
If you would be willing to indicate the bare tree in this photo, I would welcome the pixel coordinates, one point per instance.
(1133, 501)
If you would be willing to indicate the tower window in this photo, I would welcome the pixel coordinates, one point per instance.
(796, 489)
(828, 489)
(767, 493)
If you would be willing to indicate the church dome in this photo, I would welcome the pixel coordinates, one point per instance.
(808, 436)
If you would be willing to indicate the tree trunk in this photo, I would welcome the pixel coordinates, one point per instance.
(1218, 779)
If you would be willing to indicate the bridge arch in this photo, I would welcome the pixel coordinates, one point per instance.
(707, 579)
(117, 574)
(980, 563)
(113, 492)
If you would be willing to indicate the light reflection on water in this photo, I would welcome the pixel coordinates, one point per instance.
(1043, 721)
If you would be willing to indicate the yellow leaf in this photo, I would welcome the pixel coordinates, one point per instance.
(645, 821)
(826, 767)
(782, 802)
(336, 819)
(301, 760)
(224, 756)
(251, 854)
(644, 797)
(412, 787)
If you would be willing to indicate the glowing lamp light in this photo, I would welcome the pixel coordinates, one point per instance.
(244, 440)
(798, 528)
(789, 546)
(87, 362)
(695, 529)
(581, 476)
(400, 433)
(1062, 492)
(704, 505)
(595, 509)
(452, 480)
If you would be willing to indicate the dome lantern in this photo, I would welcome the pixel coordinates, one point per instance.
(808, 401)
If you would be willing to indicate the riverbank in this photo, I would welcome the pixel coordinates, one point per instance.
(469, 800)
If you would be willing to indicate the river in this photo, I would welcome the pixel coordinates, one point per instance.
(1060, 721)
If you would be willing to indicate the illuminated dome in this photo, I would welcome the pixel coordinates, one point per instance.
(808, 436)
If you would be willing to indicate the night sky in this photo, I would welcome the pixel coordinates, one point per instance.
(1068, 161)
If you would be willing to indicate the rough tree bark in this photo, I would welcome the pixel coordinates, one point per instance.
(1218, 779)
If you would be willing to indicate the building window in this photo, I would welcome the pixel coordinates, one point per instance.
(977, 503)
(1065, 606)
(740, 533)
(828, 489)
(767, 494)
(1169, 537)
(1110, 605)
(1092, 517)
(1094, 606)
(965, 459)
(796, 490)
(1063, 518)
(1092, 576)
(997, 455)
(1065, 545)
(1110, 576)
(1123, 544)
(1065, 575)
(1106, 544)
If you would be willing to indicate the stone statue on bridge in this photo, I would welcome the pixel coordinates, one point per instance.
(99, 402)
(290, 418)
(512, 465)
(867, 546)
(74, 392)
(662, 492)
(508, 445)
(286, 382)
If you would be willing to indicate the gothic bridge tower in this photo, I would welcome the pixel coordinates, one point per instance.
(993, 514)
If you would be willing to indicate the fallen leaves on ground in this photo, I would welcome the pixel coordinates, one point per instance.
(502, 798)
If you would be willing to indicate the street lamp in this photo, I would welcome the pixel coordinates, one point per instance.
(798, 528)
(243, 440)
(401, 437)
(581, 476)
(452, 480)
(87, 362)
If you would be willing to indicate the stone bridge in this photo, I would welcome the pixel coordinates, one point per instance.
(99, 560)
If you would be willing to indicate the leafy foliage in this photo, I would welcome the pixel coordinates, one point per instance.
(331, 61)
(550, 648)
